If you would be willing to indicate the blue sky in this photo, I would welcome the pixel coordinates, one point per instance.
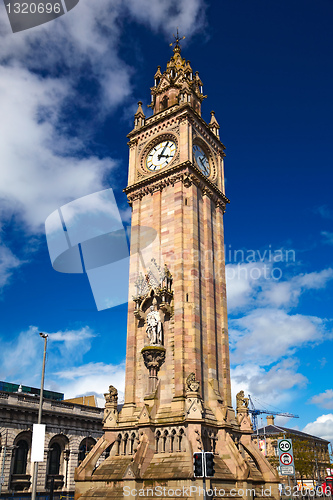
(68, 93)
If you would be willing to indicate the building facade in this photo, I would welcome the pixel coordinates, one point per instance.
(311, 453)
(71, 431)
(177, 388)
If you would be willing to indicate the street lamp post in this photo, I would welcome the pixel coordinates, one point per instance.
(35, 464)
(2, 477)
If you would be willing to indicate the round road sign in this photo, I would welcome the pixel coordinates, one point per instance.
(285, 445)
(286, 459)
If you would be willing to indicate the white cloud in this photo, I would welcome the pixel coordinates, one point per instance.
(266, 334)
(24, 348)
(39, 170)
(164, 15)
(71, 345)
(261, 326)
(269, 386)
(261, 283)
(8, 263)
(325, 399)
(92, 378)
(42, 166)
(321, 427)
(243, 281)
(64, 348)
(45, 163)
(315, 280)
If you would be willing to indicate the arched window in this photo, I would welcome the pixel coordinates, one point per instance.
(164, 102)
(21, 455)
(54, 461)
(86, 445)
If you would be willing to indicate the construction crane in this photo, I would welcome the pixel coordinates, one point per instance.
(255, 412)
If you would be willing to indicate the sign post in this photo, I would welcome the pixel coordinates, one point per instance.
(286, 457)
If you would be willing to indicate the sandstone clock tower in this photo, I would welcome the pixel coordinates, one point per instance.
(177, 390)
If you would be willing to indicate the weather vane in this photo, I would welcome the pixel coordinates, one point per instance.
(177, 39)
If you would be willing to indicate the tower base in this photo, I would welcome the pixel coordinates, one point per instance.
(151, 455)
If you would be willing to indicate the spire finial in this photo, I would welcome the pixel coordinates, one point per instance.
(176, 42)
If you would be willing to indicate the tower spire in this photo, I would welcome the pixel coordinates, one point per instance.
(177, 86)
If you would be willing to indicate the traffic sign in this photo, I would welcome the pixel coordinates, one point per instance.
(287, 470)
(284, 445)
(2, 480)
(286, 459)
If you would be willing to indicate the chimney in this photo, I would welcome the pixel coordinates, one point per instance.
(270, 420)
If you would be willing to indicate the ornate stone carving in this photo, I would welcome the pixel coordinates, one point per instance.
(192, 384)
(153, 357)
(184, 172)
(187, 180)
(193, 403)
(220, 204)
(111, 410)
(141, 285)
(132, 142)
(242, 401)
(112, 395)
(157, 283)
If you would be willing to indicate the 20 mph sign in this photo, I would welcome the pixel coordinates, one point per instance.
(286, 457)
(284, 444)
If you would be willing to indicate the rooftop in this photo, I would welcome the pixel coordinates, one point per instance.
(277, 429)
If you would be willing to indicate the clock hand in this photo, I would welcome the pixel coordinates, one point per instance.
(160, 156)
(203, 165)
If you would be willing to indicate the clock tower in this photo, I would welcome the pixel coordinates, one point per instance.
(177, 388)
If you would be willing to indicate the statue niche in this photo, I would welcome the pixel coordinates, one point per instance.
(154, 353)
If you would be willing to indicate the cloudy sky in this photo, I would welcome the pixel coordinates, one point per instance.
(68, 92)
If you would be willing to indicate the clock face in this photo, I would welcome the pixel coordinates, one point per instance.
(161, 155)
(201, 160)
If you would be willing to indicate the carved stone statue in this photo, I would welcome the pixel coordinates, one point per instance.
(192, 384)
(112, 395)
(154, 327)
(241, 400)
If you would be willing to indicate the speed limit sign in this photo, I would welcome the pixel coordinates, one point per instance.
(284, 445)
(286, 457)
